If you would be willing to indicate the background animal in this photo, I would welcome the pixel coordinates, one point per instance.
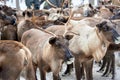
(14, 57)
(102, 27)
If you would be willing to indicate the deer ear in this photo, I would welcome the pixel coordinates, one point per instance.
(69, 37)
(29, 14)
(100, 25)
(23, 14)
(104, 22)
(0, 8)
(90, 5)
(52, 40)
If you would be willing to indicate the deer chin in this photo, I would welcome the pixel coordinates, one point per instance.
(70, 61)
(117, 41)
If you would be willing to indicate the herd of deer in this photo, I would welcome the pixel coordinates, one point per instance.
(45, 39)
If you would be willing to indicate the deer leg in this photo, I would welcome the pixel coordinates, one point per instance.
(30, 72)
(35, 69)
(88, 69)
(107, 68)
(42, 74)
(42, 70)
(103, 65)
(78, 69)
(82, 72)
(68, 70)
(113, 66)
(56, 77)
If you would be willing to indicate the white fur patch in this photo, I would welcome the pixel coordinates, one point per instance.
(70, 61)
(21, 23)
(54, 16)
(74, 23)
(89, 41)
(77, 15)
(82, 42)
(117, 41)
(5, 27)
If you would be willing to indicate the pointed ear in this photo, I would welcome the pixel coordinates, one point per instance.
(69, 37)
(104, 22)
(29, 14)
(23, 14)
(98, 25)
(52, 40)
(101, 24)
(90, 5)
(0, 8)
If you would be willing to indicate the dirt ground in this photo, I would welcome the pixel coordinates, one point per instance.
(96, 75)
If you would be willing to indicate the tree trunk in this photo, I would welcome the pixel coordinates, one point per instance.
(21, 0)
(17, 4)
(11, 1)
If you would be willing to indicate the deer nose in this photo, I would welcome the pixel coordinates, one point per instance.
(69, 57)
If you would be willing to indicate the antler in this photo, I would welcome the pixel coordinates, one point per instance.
(45, 31)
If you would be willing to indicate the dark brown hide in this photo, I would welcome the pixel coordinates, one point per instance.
(108, 64)
(9, 32)
(8, 10)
